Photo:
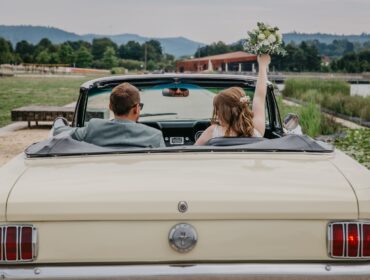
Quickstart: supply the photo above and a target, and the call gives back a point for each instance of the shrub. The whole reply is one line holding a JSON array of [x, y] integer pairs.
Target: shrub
[[310, 119], [313, 123], [332, 95], [131, 64], [296, 87], [118, 70], [356, 143]]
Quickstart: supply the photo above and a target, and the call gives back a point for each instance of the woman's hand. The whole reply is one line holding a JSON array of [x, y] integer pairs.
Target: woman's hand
[[264, 59]]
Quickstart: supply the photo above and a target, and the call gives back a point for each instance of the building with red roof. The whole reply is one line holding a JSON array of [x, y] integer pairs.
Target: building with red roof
[[235, 61]]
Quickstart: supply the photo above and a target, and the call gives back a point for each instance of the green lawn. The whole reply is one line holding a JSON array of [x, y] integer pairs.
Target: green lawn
[[20, 91]]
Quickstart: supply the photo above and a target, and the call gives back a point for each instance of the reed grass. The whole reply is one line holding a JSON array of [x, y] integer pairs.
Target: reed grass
[[331, 95], [312, 121]]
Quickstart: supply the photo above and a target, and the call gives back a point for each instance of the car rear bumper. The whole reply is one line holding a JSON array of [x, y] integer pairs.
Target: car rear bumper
[[199, 272]]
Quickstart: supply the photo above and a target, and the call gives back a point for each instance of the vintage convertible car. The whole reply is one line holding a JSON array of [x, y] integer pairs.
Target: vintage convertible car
[[237, 208]]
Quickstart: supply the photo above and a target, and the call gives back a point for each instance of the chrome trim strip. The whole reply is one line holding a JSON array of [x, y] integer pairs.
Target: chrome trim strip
[[1, 244], [344, 228], [35, 247], [20, 244], [200, 271], [360, 237], [362, 241], [345, 240]]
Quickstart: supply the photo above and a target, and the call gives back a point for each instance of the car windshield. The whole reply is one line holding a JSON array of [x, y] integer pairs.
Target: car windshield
[[167, 102]]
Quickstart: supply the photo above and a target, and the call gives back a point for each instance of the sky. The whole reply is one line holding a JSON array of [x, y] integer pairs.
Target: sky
[[204, 21]]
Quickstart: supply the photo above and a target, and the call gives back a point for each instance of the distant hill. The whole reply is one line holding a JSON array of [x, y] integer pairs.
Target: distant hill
[[177, 46], [34, 34], [324, 38]]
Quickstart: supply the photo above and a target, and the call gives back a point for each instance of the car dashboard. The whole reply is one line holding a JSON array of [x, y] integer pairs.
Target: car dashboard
[[177, 133], [187, 132]]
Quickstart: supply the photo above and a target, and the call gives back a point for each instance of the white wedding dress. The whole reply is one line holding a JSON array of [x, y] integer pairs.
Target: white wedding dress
[[218, 132]]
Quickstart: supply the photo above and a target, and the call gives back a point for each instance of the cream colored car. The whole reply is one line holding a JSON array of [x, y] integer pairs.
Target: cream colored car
[[236, 208]]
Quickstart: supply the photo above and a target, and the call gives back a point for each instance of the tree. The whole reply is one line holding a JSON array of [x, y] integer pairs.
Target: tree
[[312, 60], [44, 44], [43, 51], [6, 51], [153, 49], [83, 58], [109, 58], [25, 51], [213, 49], [76, 45], [122, 52], [100, 45], [54, 58], [353, 62], [133, 50], [66, 54], [151, 65], [43, 57]]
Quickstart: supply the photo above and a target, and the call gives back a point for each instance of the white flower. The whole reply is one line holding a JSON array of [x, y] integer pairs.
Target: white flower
[[279, 37], [245, 99], [265, 43], [264, 39], [261, 36], [271, 39]]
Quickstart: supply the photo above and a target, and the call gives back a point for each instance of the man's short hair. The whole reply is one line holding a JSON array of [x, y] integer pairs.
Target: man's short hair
[[123, 98]]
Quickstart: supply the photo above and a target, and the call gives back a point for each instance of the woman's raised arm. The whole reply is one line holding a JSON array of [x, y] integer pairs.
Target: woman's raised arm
[[260, 94]]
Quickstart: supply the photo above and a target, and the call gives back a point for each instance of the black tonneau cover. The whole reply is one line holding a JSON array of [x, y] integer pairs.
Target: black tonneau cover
[[64, 145]]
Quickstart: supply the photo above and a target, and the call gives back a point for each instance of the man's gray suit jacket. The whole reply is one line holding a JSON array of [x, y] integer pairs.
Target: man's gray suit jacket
[[115, 132]]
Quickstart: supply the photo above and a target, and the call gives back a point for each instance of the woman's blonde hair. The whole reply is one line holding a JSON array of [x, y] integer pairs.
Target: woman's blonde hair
[[231, 108]]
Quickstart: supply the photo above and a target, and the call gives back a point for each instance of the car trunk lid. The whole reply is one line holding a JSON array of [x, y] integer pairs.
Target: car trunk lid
[[150, 187]]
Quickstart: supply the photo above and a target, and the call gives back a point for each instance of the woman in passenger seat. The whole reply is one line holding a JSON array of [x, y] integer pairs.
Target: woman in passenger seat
[[232, 116]]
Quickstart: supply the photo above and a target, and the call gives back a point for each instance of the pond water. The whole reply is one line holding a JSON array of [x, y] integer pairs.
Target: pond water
[[363, 90], [356, 89]]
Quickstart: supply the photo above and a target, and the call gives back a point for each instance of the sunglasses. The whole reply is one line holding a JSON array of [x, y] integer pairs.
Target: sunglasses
[[181, 89], [140, 104]]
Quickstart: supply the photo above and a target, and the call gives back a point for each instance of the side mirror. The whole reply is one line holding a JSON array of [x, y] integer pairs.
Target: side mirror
[[291, 124], [58, 122]]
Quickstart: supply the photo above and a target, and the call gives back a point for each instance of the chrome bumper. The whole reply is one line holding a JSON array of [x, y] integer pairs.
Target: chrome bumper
[[199, 271]]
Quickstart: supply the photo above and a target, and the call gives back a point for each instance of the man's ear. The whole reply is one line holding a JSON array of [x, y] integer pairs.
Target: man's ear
[[135, 110], [110, 106]]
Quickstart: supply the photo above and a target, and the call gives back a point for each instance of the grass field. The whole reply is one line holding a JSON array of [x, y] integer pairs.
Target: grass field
[[22, 91], [331, 94]]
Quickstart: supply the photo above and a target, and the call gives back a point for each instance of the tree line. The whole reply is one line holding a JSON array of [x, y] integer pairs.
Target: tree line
[[102, 53], [310, 56]]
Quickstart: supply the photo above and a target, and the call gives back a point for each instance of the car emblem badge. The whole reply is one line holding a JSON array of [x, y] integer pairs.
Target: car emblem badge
[[183, 238], [182, 206]]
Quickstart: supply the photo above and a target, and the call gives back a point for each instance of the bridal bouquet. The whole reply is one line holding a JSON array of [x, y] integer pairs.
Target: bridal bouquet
[[264, 40]]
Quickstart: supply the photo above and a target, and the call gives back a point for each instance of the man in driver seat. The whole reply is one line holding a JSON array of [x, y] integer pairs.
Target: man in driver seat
[[123, 130]]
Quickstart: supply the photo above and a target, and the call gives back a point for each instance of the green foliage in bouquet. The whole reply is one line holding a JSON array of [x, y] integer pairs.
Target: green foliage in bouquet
[[265, 40]]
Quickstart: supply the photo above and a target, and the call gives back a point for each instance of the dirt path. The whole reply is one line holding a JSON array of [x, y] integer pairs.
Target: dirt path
[[14, 142]]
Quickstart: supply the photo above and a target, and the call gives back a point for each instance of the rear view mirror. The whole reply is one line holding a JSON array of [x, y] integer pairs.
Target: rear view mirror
[[175, 92]]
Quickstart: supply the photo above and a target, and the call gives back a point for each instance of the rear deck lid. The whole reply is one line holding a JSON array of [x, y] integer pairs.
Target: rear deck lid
[[150, 187]]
